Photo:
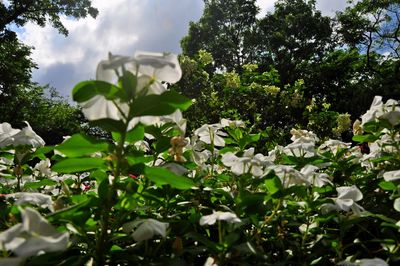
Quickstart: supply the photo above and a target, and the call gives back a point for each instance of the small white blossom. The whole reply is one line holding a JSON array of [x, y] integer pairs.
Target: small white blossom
[[247, 163], [34, 198], [231, 123], [333, 146], [392, 175], [146, 229], [6, 134], [211, 134], [16, 137], [389, 111], [219, 216], [289, 176], [44, 167], [32, 236], [313, 177], [346, 200]]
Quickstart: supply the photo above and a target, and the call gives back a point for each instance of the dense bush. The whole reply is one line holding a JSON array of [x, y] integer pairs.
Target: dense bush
[[154, 196]]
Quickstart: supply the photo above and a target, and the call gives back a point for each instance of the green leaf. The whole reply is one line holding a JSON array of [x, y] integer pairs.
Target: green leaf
[[40, 152], [86, 90], [39, 184], [373, 126], [108, 124], [133, 135], [387, 185], [364, 138], [78, 214], [103, 189], [162, 176], [128, 83], [138, 157], [79, 145], [163, 104], [273, 185], [74, 165]]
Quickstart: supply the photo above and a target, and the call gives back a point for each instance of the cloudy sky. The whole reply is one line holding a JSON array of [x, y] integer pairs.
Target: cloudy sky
[[122, 27]]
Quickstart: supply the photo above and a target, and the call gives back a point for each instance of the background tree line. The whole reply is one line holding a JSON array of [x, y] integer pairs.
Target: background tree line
[[292, 67], [21, 99]]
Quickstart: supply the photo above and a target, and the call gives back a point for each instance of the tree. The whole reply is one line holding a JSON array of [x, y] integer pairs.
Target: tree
[[374, 26], [225, 30], [293, 35], [43, 11], [21, 98], [49, 114]]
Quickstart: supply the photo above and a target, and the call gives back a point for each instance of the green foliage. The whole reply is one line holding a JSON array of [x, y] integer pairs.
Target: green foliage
[[40, 12], [233, 22]]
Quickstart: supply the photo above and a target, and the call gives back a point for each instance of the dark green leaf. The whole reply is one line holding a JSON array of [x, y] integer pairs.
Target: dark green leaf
[[128, 83], [39, 184], [86, 90], [75, 165], [162, 176], [364, 138], [110, 125], [79, 145], [163, 104]]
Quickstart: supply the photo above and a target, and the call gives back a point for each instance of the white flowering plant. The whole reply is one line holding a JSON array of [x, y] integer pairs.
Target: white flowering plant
[[154, 194]]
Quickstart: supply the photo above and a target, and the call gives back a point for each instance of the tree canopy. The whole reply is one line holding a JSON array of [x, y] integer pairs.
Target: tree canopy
[[21, 98], [324, 66]]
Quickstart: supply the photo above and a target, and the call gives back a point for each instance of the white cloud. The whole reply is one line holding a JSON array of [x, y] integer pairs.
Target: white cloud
[[265, 6], [121, 27]]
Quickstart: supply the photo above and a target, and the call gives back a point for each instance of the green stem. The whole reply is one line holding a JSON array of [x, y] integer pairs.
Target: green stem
[[220, 232], [104, 235]]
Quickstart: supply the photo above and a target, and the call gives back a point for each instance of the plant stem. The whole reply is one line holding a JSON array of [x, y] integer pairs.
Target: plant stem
[[103, 239]]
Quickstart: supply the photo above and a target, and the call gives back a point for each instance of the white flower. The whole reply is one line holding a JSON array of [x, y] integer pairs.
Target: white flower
[[211, 134], [391, 175], [333, 146], [303, 144], [231, 123], [28, 137], [301, 147], [142, 145], [161, 66], [365, 262], [33, 235], [6, 134], [273, 154], [289, 176], [98, 107], [177, 118], [146, 229], [44, 167], [219, 216], [17, 137], [374, 111], [210, 262], [301, 133], [313, 177], [346, 200], [247, 163], [389, 111], [149, 68], [115, 64], [34, 198]]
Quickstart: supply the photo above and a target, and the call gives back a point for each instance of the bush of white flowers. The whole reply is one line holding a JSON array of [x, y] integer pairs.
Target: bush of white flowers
[[154, 194]]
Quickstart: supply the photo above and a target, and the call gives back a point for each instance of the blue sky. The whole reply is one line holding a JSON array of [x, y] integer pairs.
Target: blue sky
[[122, 27]]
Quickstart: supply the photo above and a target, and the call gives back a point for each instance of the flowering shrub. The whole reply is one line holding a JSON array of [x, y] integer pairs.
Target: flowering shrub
[[152, 195]]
